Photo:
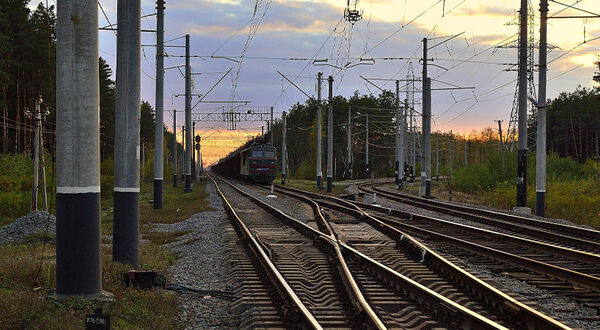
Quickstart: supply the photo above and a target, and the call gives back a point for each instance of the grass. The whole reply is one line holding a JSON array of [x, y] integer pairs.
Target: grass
[[26, 285]]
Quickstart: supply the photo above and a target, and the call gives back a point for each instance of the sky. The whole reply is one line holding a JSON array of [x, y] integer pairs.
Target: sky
[[388, 38]]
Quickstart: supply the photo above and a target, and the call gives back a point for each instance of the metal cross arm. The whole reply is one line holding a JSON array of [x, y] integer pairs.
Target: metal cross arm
[[213, 87], [229, 116], [291, 82], [591, 14], [446, 40]]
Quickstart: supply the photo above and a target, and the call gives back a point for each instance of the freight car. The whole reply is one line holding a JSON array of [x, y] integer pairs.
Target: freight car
[[255, 162]]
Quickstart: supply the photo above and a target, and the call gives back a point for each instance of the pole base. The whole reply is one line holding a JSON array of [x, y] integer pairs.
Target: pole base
[[319, 182], [283, 178], [428, 188], [188, 183], [174, 180], [78, 259], [329, 183], [522, 210], [540, 203], [126, 228], [158, 194], [103, 296]]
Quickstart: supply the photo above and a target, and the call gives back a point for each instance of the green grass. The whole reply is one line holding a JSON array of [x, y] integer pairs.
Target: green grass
[[26, 287]]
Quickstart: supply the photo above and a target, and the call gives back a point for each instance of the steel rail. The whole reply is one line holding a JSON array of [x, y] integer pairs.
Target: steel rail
[[509, 219], [523, 241], [468, 318], [275, 277], [531, 317], [357, 298]]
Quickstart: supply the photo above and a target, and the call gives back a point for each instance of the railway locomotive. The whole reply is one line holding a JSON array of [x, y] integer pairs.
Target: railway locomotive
[[256, 161]]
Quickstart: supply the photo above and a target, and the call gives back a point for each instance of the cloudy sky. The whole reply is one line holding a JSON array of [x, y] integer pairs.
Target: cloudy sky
[[288, 34]]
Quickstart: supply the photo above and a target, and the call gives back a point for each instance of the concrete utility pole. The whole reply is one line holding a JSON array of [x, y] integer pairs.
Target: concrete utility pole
[[427, 139], [272, 129], [159, 105], [193, 147], [500, 143], [437, 158], [406, 156], [425, 189], [319, 129], [451, 165], [198, 158], [283, 147], [349, 150], [183, 139], [522, 132], [78, 261], [413, 144], [466, 152], [330, 136], [174, 148], [126, 230], [540, 175], [188, 118], [367, 170], [37, 117], [399, 140]]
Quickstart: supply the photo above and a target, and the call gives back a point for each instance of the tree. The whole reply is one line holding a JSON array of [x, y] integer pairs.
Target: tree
[[146, 123], [107, 110], [597, 73]]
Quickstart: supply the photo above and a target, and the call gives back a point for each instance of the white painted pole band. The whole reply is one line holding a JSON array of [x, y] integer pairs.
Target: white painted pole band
[[78, 190], [127, 189]]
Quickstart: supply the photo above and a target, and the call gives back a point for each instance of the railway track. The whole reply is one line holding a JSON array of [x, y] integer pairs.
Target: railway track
[[314, 262], [563, 235], [542, 269]]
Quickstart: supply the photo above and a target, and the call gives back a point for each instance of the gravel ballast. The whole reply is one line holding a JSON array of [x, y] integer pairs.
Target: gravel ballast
[[202, 264], [29, 224]]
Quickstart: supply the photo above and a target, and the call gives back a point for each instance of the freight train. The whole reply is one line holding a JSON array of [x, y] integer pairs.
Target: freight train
[[256, 161]]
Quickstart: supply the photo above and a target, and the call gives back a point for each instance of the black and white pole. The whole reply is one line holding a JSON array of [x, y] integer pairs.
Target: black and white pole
[[127, 135], [175, 148], [283, 147], [159, 106], [522, 120], [319, 130], [399, 139], [78, 262], [330, 136], [451, 165], [349, 147], [187, 164], [540, 175]]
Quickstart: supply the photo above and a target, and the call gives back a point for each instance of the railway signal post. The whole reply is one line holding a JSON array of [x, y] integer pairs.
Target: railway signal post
[[78, 261], [127, 135], [330, 136]]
